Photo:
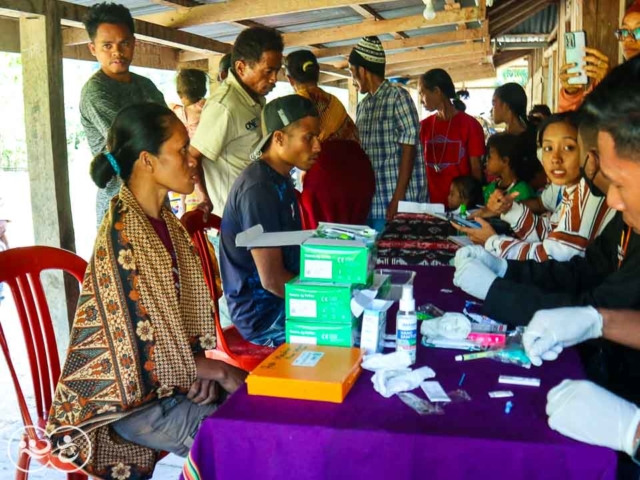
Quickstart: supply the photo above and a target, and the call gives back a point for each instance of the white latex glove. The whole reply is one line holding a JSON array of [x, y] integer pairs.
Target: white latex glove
[[588, 413], [475, 278], [390, 382], [496, 264], [386, 361], [450, 325], [559, 327]]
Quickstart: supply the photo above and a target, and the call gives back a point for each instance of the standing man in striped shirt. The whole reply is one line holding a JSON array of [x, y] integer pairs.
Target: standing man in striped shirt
[[389, 129]]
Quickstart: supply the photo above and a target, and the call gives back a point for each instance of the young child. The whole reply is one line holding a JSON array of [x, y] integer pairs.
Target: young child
[[465, 190], [512, 169], [191, 85], [580, 218]]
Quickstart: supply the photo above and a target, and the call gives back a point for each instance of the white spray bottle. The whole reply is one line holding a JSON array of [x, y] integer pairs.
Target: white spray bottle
[[407, 324]]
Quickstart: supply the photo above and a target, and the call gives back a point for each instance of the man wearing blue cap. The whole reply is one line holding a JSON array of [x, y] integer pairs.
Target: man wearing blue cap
[[264, 194]]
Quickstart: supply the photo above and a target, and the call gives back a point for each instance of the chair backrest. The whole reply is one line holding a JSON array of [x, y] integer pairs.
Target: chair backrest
[[20, 268], [197, 228]]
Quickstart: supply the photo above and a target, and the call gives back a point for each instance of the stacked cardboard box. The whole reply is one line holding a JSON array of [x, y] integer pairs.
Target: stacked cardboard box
[[318, 302]]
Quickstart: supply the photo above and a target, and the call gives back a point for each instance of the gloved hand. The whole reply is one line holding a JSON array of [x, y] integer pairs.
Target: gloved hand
[[559, 327], [475, 278], [588, 413], [496, 264]]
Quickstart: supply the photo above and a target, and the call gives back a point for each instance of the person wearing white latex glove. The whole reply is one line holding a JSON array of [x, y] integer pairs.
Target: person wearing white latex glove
[[552, 330], [496, 265], [474, 277], [588, 413]]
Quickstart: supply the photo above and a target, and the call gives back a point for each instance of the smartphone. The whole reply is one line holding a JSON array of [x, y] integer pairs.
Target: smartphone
[[574, 49], [464, 222]]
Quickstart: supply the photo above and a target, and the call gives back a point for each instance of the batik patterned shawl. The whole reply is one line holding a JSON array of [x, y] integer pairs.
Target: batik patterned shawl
[[133, 339]]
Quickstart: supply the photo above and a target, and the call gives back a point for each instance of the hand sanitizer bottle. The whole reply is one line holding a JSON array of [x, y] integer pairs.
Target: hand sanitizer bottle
[[407, 324]]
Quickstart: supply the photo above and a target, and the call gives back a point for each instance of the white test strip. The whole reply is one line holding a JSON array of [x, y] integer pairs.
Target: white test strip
[[526, 381], [501, 394], [434, 392]]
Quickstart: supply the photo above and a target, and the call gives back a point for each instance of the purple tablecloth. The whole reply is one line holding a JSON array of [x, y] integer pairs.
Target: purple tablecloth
[[370, 437]]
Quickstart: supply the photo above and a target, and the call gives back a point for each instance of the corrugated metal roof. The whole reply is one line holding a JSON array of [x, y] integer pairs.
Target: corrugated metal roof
[[405, 4], [308, 18], [304, 21], [137, 7], [224, 32], [140, 7], [542, 22]]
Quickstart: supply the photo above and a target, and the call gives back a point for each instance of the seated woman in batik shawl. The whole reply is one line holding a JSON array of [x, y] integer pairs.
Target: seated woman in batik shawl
[[136, 381]]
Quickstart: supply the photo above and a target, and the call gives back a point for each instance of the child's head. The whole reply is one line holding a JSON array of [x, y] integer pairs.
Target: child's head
[[191, 85], [558, 137], [508, 153], [465, 190]]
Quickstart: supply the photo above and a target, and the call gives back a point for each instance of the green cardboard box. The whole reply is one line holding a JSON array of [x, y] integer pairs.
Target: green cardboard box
[[336, 261], [332, 335], [318, 302]]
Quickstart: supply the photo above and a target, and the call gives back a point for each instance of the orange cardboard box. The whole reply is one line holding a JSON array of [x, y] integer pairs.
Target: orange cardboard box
[[307, 372]]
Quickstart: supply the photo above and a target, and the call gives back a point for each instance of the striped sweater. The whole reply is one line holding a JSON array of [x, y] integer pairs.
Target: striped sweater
[[580, 218]]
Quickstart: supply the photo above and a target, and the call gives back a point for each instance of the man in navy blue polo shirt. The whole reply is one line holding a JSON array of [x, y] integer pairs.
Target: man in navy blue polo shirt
[[264, 194]]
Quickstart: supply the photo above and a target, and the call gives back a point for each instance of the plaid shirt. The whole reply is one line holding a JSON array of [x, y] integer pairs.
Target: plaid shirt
[[387, 119]]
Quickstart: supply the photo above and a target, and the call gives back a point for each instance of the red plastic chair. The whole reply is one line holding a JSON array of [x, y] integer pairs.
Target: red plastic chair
[[230, 348], [20, 268]]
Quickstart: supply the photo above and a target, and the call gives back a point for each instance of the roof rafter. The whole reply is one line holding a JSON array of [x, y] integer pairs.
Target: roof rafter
[[422, 40], [371, 27], [434, 53], [233, 10]]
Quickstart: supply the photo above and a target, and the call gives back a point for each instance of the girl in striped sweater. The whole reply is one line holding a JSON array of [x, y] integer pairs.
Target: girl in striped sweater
[[579, 218]]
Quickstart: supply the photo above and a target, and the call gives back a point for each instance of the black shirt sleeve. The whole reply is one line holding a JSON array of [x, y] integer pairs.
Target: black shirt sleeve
[[593, 280]]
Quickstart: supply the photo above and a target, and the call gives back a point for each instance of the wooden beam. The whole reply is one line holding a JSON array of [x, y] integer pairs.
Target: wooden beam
[[364, 11], [176, 3], [510, 20], [502, 7], [337, 72], [434, 53], [509, 56], [193, 56], [469, 62], [353, 100], [41, 41], [461, 75], [233, 10], [75, 36], [370, 27], [147, 55], [369, 13], [421, 41], [72, 14], [9, 35]]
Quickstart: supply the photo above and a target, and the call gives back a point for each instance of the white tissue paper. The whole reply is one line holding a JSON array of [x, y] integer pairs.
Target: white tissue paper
[[451, 325], [390, 382], [388, 361]]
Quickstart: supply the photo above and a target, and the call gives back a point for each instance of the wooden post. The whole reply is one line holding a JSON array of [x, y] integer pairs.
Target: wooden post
[[353, 99], [41, 48], [599, 19]]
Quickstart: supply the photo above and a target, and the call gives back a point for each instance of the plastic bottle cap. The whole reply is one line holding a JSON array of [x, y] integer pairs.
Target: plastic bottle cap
[[407, 302]]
